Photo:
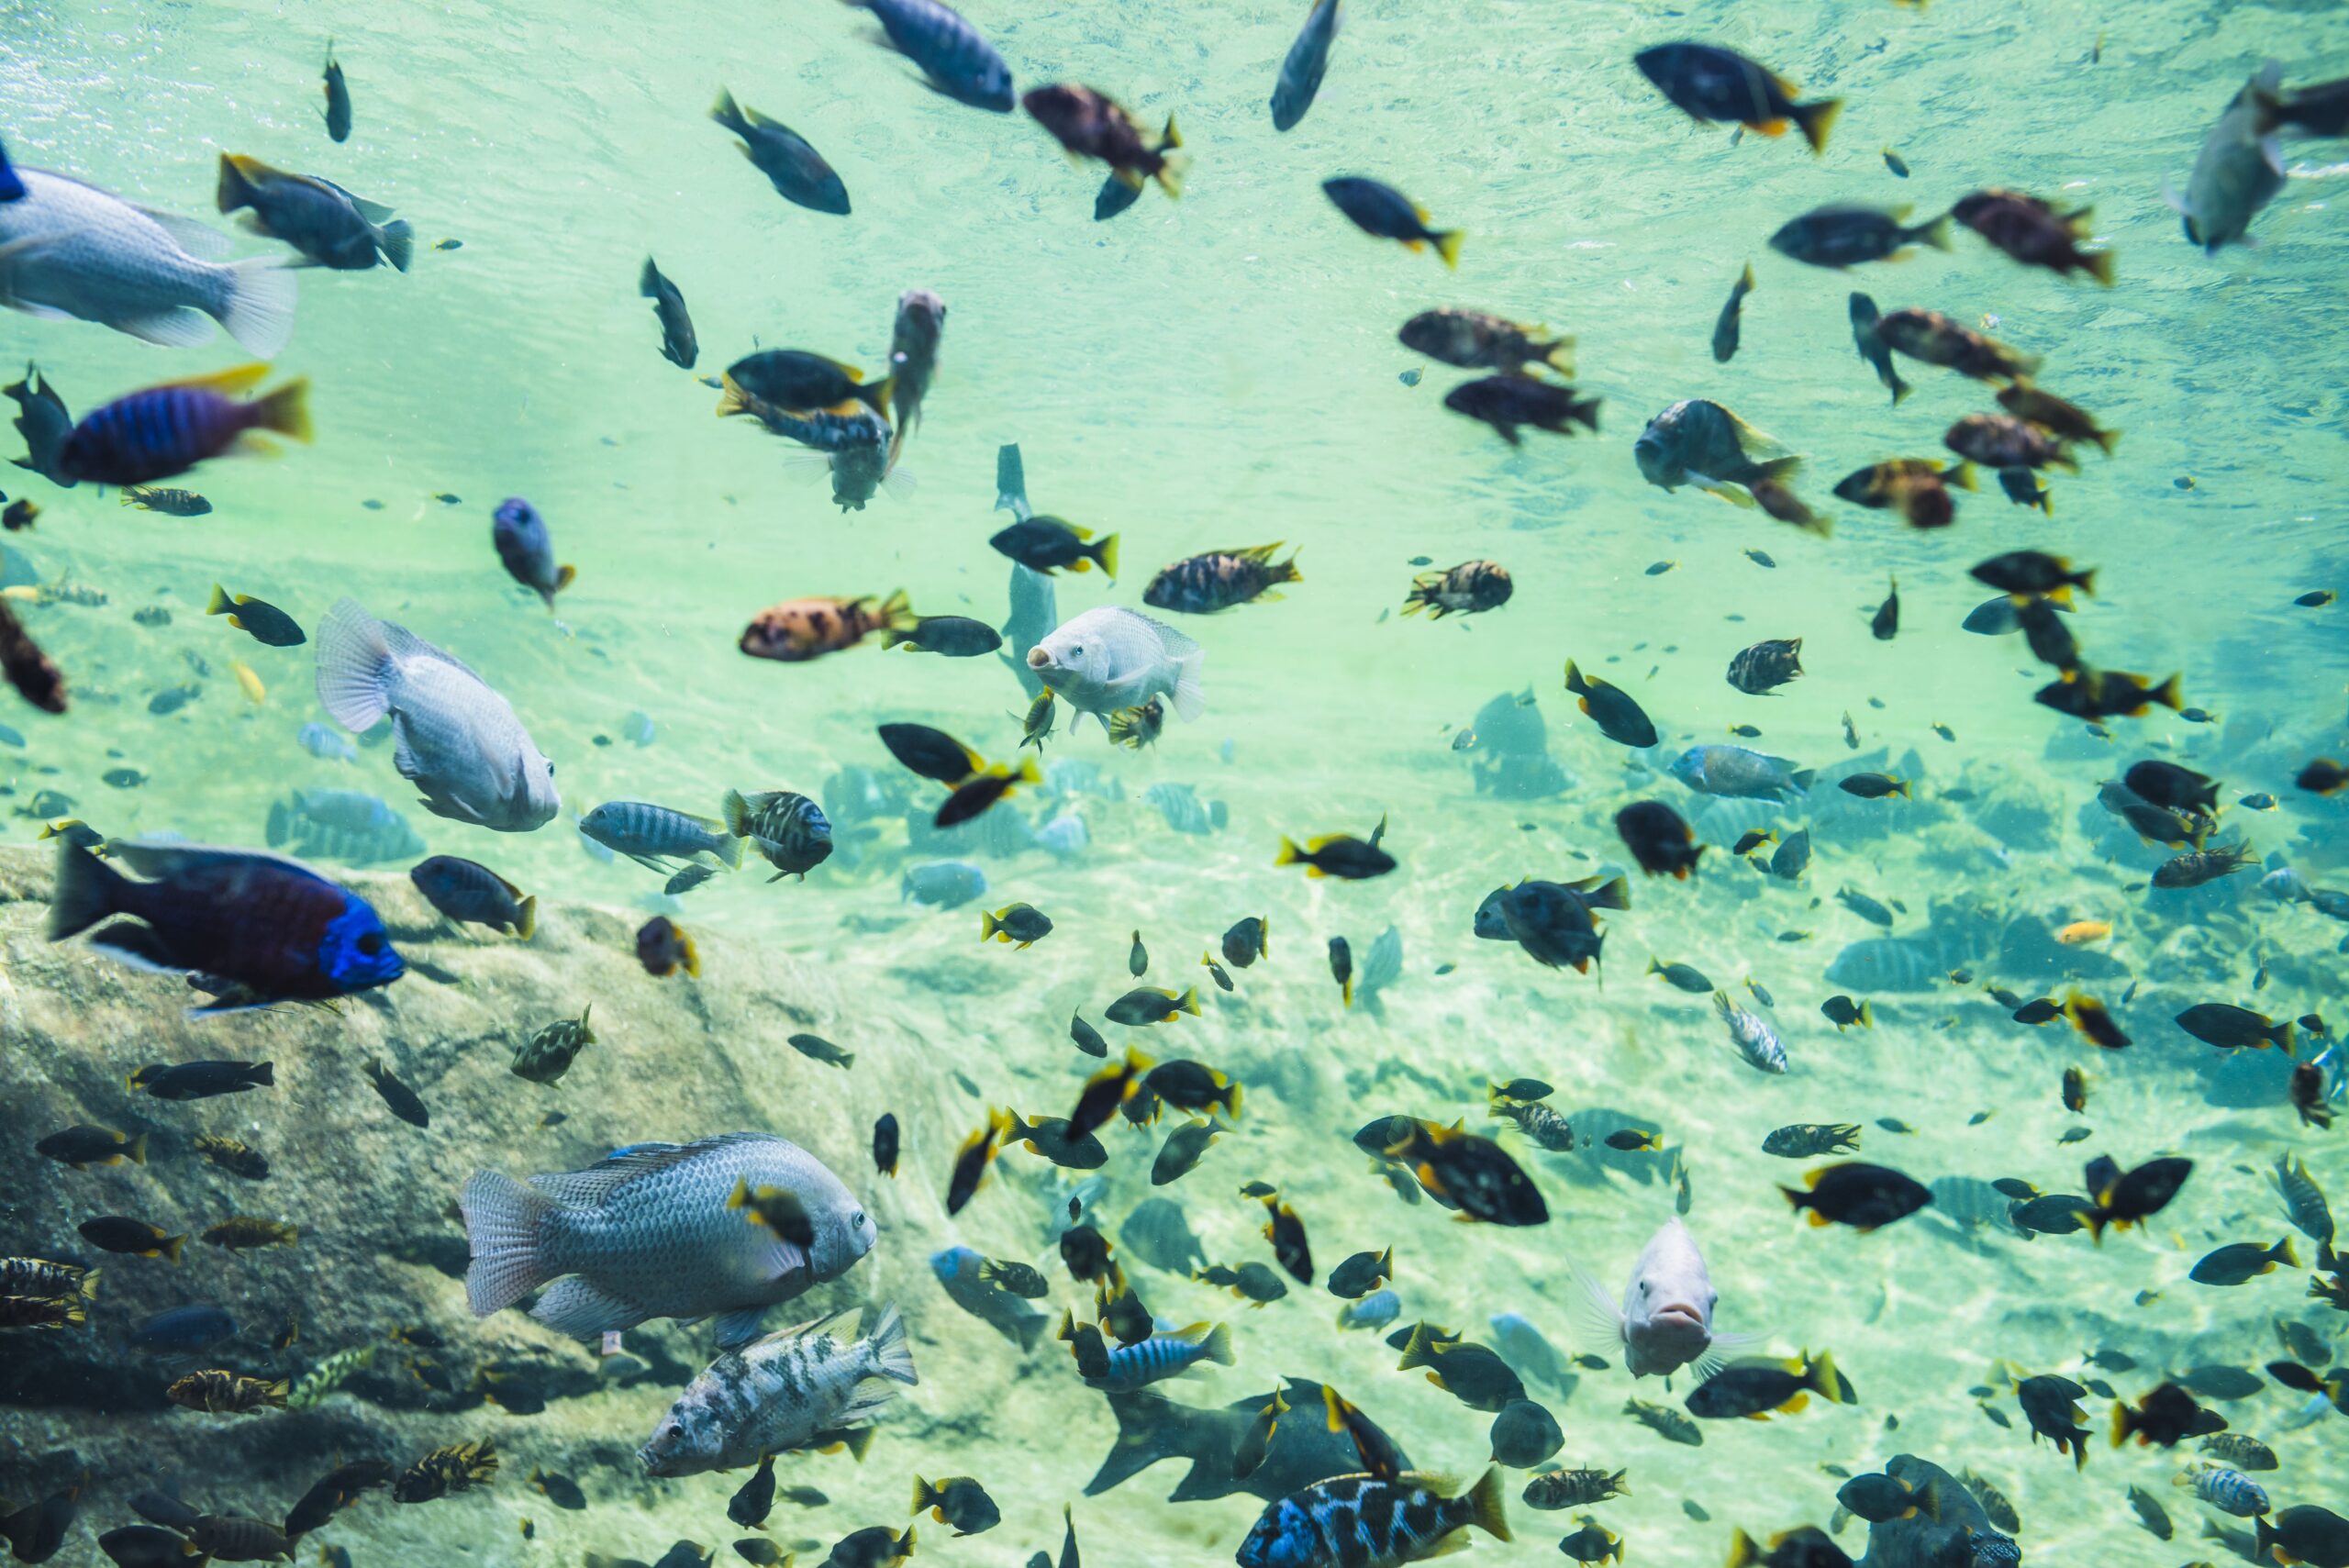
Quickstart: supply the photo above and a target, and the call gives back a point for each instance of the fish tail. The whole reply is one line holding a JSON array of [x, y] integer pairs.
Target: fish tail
[[526, 921], [1743, 1552], [2167, 695], [893, 1358], [924, 1494], [1188, 1002], [726, 112], [136, 1153], [88, 890], [1105, 553], [259, 310], [1935, 234], [876, 397], [354, 666], [1217, 1346], [2100, 267], [502, 1222], [728, 851], [1822, 1376], [287, 410], [1778, 471], [397, 241], [648, 280], [1817, 120], [1484, 1507], [219, 604], [235, 191], [172, 1246], [898, 614], [1447, 245]]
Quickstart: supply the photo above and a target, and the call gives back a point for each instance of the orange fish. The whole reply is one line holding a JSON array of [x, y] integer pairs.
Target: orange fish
[[2080, 931], [801, 629]]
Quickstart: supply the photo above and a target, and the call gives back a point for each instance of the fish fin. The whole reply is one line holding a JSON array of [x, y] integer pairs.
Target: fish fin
[[354, 666], [734, 1329], [259, 311], [1447, 245], [502, 1222], [1597, 1314], [1817, 120], [527, 921], [1935, 234], [287, 410], [373, 212], [573, 1305], [184, 328], [1190, 692], [397, 241], [1484, 1507]]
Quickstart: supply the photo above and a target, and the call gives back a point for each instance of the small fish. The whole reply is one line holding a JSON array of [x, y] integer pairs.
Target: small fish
[[1718, 84], [402, 1102], [1088, 124], [1511, 402], [1725, 327], [1862, 1196], [327, 224], [796, 170], [243, 1232], [957, 60], [816, 1048], [1300, 76], [1473, 341], [678, 344], [81, 1147], [958, 1501], [1339, 855], [1385, 213], [1894, 162], [337, 93]]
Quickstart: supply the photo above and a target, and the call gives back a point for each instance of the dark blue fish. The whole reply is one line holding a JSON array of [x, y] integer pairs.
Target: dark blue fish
[[338, 99], [1385, 213], [679, 346], [1301, 72], [528, 548], [11, 188], [958, 62], [796, 170], [43, 420], [264, 929], [164, 430], [181, 1332]]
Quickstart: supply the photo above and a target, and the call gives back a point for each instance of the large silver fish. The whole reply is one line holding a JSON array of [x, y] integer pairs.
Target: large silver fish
[[68, 250], [647, 1234], [791, 1386], [458, 740], [1666, 1321], [1110, 659], [2240, 168]]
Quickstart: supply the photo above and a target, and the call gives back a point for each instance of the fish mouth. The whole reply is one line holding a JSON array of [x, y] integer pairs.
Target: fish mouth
[[1039, 660], [1678, 1315]]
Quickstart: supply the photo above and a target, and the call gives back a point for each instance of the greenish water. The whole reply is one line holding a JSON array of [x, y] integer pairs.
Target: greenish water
[[1222, 371]]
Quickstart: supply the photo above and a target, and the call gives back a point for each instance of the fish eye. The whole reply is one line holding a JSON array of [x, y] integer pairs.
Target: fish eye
[[371, 943], [856, 1222], [675, 1431]]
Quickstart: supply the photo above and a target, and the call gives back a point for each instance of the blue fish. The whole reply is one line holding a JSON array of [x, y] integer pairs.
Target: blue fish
[[325, 744], [957, 1269], [960, 63], [11, 188], [942, 885], [181, 1332], [259, 928], [1376, 1310], [528, 548], [11, 737]]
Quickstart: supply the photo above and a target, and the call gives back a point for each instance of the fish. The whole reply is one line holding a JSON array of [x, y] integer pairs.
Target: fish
[[265, 928], [1859, 1195], [1664, 1320], [962, 1273], [919, 326], [678, 344], [2123, 1198], [76, 250], [1511, 402], [1088, 124], [166, 429], [1220, 579], [942, 885], [2231, 1028], [327, 224], [1659, 838], [1701, 443], [2002, 441], [1618, 717], [1934, 338], [644, 1234], [1472, 340], [1764, 666], [519, 531], [1725, 327], [1756, 1387], [1757, 1044], [458, 1467], [132, 1238], [1843, 235], [338, 94], [468, 892], [458, 740], [241, 1233], [44, 421], [1110, 659], [1475, 1174], [1304, 64], [2238, 1262], [1163, 1355], [1712, 83], [959, 1501], [955, 58], [237, 1158], [81, 1147], [1021, 923], [654, 836], [781, 1392], [257, 618], [201, 1079], [794, 167], [1366, 1522], [1385, 213], [2238, 172], [1872, 348]]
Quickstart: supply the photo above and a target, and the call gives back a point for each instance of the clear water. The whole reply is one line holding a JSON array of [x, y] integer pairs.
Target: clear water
[[1222, 371]]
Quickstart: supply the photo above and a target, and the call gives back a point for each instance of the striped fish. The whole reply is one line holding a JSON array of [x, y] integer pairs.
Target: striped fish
[[1165, 1355], [652, 835], [1360, 1521]]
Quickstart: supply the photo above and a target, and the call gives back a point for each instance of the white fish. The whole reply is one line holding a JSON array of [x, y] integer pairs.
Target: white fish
[[2240, 168], [1754, 1039], [1110, 659], [457, 739], [1666, 1321], [72, 250], [646, 1233], [793, 1386]]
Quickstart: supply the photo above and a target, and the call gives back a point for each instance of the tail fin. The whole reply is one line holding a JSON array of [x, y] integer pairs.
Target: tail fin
[[1779, 470], [898, 614], [1560, 356], [2167, 695], [219, 604], [1817, 120], [876, 396], [728, 114], [1172, 166], [354, 666], [1188, 1002], [173, 1245], [1822, 1377], [1584, 412], [1743, 1552], [648, 281], [259, 310], [1485, 1507], [989, 926], [893, 1358], [397, 241], [136, 1153], [2281, 1252], [1217, 1346], [1802, 779], [1447, 245], [1105, 553], [287, 410], [526, 923], [2100, 267], [730, 853], [235, 191], [1962, 476], [88, 890], [1614, 895], [1935, 234], [924, 1494], [502, 1222], [735, 812]]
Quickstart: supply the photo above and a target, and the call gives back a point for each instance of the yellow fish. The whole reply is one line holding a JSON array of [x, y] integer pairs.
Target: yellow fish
[[254, 690]]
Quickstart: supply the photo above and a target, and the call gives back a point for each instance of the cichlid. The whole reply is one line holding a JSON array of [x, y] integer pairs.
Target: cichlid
[[792, 166], [456, 739], [646, 1234], [781, 1392], [1665, 1318], [1303, 67], [653, 835], [679, 346], [519, 532], [468, 891], [1110, 659], [326, 223], [958, 62]]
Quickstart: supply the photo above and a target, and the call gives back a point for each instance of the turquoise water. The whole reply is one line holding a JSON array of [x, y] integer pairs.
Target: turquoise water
[[1222, 371]]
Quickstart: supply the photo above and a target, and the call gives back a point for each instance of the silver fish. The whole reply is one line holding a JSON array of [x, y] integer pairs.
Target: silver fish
[[70, 249], [913, 358], [458, 740], [1112, 658], [1755, 1042], [2239, 169], [646, 1233], [779, 1393], [652, 835]]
